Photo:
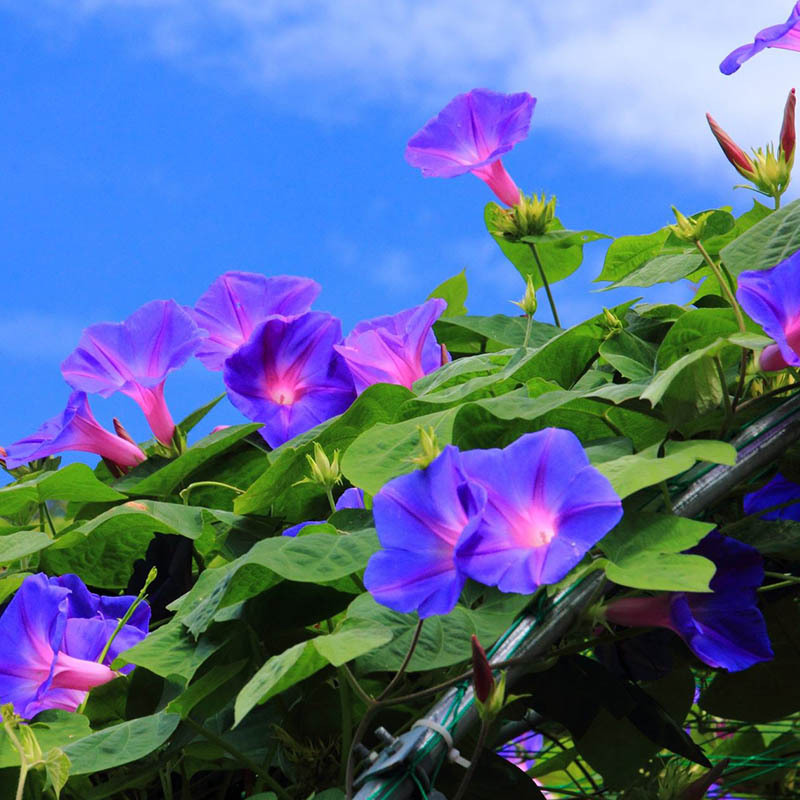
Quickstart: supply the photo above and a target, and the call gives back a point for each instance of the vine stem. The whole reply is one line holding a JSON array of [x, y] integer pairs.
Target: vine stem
[[545, 283], [400, 672], [473, 764], [259, 770], [184, 493], [347, 721], [726, 398], [528, 327], [780, 390]]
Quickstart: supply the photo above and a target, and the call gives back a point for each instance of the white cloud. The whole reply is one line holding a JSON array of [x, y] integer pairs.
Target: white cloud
[[630, 80]]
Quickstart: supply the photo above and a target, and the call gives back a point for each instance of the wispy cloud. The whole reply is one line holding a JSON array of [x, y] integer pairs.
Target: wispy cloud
[[27, 335], [630, 80]]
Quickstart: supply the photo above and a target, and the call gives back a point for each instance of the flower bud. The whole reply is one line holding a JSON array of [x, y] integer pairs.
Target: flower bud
[[689, 230], [788, 136], [482, 677], [732, 151], [611, 322], [531, 216], [324, 472], [121, 432], [772, 172], [698, 788], [528, 303], [429, 445]]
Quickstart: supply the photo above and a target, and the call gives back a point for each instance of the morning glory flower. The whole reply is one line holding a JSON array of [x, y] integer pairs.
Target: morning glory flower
[[51, 636], [778, 490], [522, 750], [238, 301], [772, 298], [288, 375], [400, 348], [134, 357], [74, 429], [420, 518], [785, 36], [470, 134], [546, 506], [350, 498], [724, 627]]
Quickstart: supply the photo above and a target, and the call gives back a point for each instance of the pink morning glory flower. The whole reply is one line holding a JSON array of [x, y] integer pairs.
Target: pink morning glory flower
[[772, 298], [420, 518], [785, 36], [289, 376], [74, 429], [395, 349], [724, 627], [51, 635], [238, 301], [470, 134], [134, 357], [546, 506]]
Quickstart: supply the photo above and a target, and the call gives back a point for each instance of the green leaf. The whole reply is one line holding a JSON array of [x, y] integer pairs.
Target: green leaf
[[167, 479], [627, 253], [75, 482], [210, 682], [56, 767], [631, 356], [473, 334], [561, 237], [664, 379], [52, 728], [315, 558], [629, 474], [444, 640], [120, 744], [454, 291], [714, 243], [559, 261], [189, 422], [766, 243], [661, 269], [644, 552], [695, 330], [385, 451], [14, 546], [304, 659], [275, 491]]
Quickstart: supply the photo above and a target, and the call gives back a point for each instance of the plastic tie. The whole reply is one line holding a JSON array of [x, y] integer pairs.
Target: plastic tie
[[453, 754]]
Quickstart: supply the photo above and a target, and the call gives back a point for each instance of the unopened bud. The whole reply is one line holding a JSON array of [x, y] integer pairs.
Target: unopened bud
[[772, 172], [429, 446], [482, 676], [698, 788], [531, 216], [3, 456], [732, 151], [788, 135], [528, 303], [445, 356], [121, 432], [324, 472], [689, 230], [613, 323]]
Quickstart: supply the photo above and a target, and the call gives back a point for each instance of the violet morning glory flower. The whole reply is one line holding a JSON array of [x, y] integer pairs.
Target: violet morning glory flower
[[237, 301], [400, 348], [134, 357], [420, 518], [350, 498], [74, 429], [772, 298], [470, 134], [523, 750], [779, 490], [289, 376], [51, 635], [546, 506], [724, 627], [785, 36]]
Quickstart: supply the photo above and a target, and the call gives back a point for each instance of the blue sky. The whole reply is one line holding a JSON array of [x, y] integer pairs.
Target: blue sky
[[149, 145]]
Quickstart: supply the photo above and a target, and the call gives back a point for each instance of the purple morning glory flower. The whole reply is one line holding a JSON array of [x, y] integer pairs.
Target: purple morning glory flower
[[723, 628], [395, 349], [470, 134], [134, 357], [74, 429], [772, 298], [51, 635], [785, 36], [420, 518], [778, 490], [350, 498], [238, 301], [546, 506], [289, 376], [523, 750]]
